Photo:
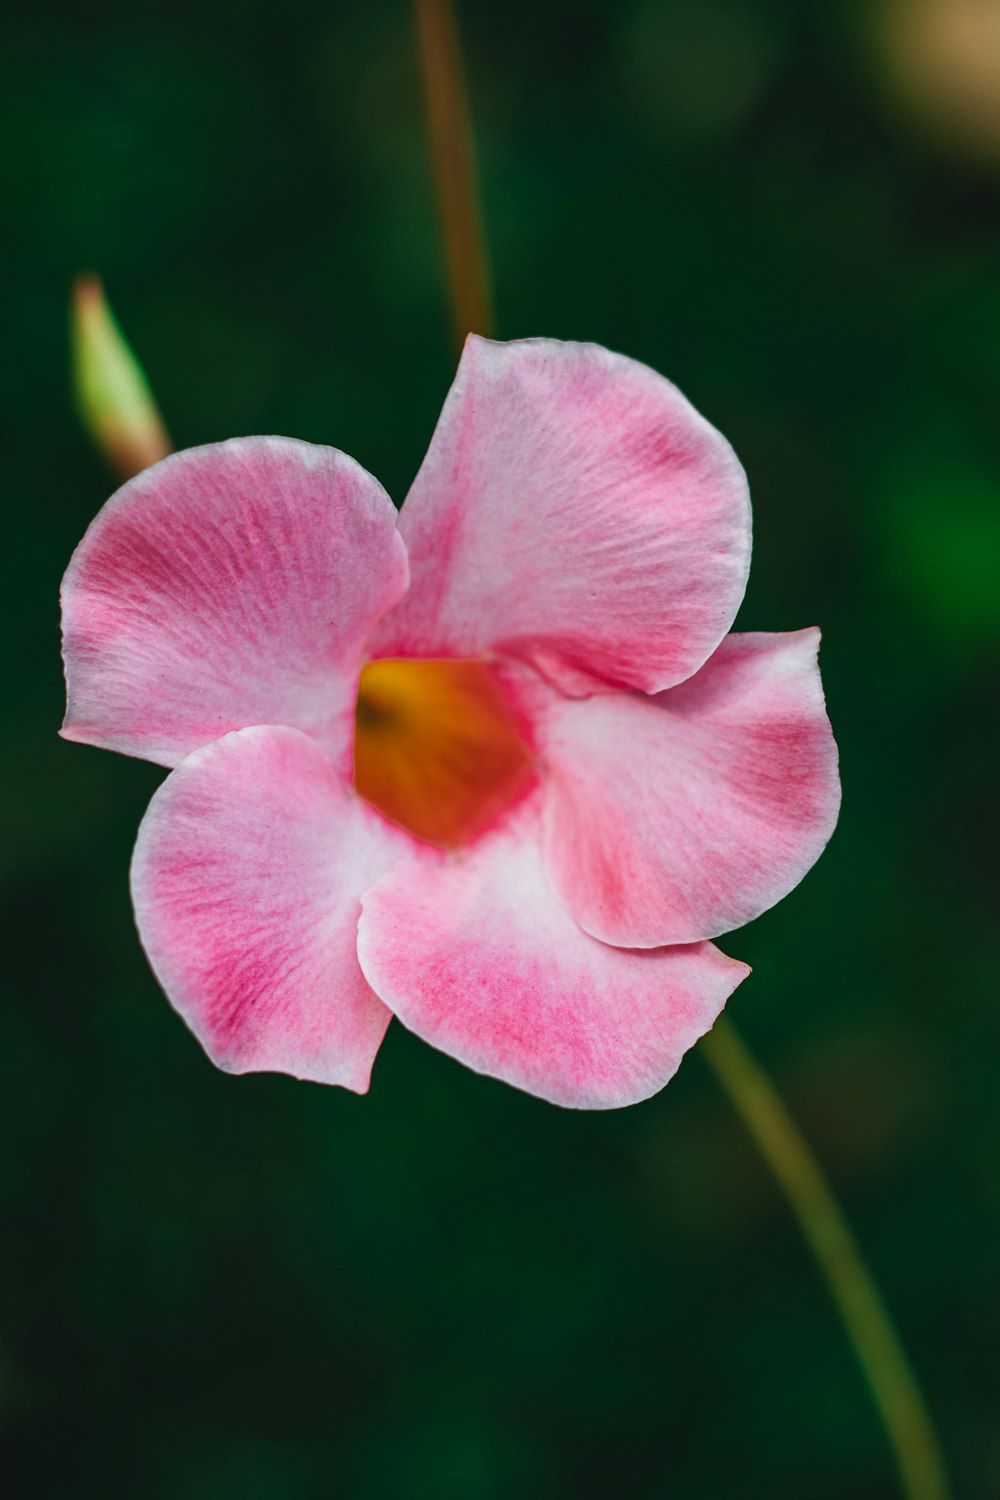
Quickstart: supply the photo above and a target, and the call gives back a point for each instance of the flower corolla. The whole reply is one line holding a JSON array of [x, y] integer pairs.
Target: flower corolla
[[492, 764]]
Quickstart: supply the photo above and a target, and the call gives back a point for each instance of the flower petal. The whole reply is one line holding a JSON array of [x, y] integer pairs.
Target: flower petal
[[573, 508], [478, 957], [226, 586], [246, 880], [682, 816]]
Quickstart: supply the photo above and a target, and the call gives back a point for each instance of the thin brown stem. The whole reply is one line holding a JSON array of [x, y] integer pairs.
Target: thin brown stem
[[454, 169], [852, 1286]]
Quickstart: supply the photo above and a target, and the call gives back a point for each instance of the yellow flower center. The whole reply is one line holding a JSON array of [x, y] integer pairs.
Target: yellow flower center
[[437, 747]]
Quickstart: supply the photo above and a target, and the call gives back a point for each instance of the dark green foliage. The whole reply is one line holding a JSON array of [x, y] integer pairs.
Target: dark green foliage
[[269, 1291]]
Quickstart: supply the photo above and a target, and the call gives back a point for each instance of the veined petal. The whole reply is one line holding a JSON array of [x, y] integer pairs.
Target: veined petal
[[573, 509], [246, 881], [476, 956], [226, 586], [684, 815]]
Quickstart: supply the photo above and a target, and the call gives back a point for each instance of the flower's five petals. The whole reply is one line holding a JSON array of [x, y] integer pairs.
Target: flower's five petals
[[227, 586], [246, 880], [476, 956], [573, 509], [685, 815]]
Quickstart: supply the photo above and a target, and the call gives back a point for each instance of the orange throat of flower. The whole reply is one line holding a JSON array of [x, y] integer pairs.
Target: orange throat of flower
[[437, 748]]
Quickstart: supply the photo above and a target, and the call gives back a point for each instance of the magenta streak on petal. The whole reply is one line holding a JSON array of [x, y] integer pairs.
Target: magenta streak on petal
[[247, 878], [684, 815], [478, 957], [575, 510], [227, 586]]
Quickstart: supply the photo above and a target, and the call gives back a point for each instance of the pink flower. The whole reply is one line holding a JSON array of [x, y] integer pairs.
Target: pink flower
[[497, 769]]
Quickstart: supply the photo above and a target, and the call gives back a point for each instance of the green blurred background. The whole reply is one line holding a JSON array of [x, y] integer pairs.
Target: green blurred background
[[255, 1288]]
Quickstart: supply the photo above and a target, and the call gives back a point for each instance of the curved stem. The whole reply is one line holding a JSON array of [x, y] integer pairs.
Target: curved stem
[[780, 1142], [832, 1242], [454, 168]]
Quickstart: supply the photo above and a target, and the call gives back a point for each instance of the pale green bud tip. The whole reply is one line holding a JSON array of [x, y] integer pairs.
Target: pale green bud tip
[[112, 393]]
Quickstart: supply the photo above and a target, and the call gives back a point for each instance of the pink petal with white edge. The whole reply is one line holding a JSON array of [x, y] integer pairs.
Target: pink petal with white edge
[[682, 816], [477, 957], [246, 880], [574, 509], [226, 586]]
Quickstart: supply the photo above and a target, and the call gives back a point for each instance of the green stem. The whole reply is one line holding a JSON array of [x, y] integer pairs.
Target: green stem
[[851, 1284], [779, 1140]]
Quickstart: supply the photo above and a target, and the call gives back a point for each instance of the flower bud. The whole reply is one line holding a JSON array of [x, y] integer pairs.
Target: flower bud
[[112, 393]]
